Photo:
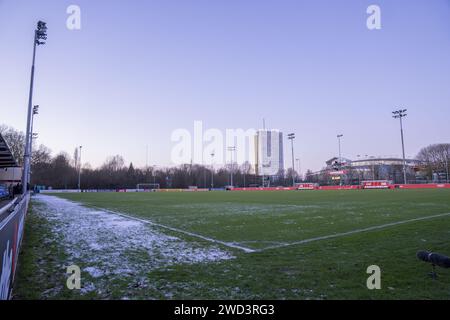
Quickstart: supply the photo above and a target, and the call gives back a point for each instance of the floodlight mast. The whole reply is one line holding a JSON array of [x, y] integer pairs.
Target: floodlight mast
[[39, 34], [400, 114]]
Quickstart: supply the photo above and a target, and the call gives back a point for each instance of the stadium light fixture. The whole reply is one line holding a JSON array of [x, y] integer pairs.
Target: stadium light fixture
[[40, 34], [291, 136], [400, 114]]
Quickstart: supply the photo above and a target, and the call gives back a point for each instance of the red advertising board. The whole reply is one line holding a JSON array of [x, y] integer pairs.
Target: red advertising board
[[338, 188], [376, 184], [264, 189], [11, 232], [306, 186], [423, 186]]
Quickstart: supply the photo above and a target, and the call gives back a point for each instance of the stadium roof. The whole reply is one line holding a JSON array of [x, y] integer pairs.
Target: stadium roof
[[6, 157], [389, 160]]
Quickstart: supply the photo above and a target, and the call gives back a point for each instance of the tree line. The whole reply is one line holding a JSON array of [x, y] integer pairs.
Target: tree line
[[62, 170]]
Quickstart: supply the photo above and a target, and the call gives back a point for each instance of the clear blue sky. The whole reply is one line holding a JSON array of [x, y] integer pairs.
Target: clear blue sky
[[137, 70]]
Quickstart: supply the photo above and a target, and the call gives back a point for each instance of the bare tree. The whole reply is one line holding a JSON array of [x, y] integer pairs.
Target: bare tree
[[42, 155], [114, 163], [435, 157]]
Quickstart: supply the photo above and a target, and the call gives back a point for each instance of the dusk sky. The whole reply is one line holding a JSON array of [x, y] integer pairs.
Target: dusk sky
[[138, 70]]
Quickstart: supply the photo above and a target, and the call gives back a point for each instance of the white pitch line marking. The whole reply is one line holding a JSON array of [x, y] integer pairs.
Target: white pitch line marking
[[342, 234], [282, 245], [195, 235]]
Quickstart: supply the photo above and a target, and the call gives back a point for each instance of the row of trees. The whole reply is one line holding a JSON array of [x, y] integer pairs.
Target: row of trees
[[61, 170], [435, 159]]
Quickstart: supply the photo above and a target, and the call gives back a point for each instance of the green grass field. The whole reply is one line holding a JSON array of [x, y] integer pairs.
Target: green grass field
[[272, 226]]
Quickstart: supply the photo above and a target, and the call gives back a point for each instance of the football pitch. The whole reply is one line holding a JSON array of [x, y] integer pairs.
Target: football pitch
[[290, 244]]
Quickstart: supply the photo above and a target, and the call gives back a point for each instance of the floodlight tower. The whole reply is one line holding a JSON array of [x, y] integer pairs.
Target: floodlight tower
[[39, 34], [400, 114], [291, 136]]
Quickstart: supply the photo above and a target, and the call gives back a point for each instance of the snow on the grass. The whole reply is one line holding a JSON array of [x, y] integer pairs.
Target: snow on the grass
[[242, 209], [110, 245]]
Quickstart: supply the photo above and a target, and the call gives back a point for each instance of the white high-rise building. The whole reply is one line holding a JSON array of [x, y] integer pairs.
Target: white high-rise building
[[268, 152]]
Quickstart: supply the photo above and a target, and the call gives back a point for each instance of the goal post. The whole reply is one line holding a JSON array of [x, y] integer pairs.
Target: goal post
[[147, 186]]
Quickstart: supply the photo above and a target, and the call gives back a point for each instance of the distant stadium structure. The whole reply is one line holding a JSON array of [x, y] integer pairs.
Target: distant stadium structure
[[6, 158], [369, 168], [10, 172]]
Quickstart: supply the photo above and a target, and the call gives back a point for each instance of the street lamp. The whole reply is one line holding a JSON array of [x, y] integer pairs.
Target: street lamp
[[212, 170], [400, 114], [359, 170], [79, 170], [339, 136], [291, 136], [39, 34], [231, 149], [33, 136], [446, 165], [373, 166]]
